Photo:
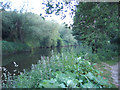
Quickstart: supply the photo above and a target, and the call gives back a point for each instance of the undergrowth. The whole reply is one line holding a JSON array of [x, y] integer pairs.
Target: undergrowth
[[59, 71]]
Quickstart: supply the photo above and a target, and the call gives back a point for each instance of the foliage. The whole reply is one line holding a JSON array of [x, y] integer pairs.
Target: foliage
[[10, 47], [4, 5], [59, 7], [59, 71], [66, 35], [33, 30], [97, 23]]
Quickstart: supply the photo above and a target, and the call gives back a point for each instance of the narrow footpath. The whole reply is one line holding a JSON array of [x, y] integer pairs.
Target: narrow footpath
[[115, 73]]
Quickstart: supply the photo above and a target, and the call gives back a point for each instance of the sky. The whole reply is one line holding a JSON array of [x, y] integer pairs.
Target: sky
[[35, 6]]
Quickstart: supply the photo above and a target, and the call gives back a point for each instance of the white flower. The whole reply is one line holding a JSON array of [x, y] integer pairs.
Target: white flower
[[4, 69], [15, 70], [69, 82], [38, 61], [79, 58], [15, 64]]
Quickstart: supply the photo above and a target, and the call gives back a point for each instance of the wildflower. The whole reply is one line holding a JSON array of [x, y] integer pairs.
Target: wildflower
[[69, 82], [79, 58], [4, 69], [38, 61], [15, 70], [4, 74], [15, 64], [21, 73], [47, 58], [104, 78]]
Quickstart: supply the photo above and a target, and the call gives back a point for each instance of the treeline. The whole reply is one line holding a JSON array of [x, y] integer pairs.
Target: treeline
[[33, 30]]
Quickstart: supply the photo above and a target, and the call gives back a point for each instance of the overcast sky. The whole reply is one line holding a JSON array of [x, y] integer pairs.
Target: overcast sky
[[35, 6]]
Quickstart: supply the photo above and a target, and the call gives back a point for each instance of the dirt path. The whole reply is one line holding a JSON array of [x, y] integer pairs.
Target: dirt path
[[115, 73]]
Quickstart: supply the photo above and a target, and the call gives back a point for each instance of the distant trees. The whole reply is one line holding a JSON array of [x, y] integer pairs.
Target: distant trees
[[33, 30], [66, 35]]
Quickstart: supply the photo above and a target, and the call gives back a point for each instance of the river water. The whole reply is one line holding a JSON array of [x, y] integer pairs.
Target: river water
[[26, 59]]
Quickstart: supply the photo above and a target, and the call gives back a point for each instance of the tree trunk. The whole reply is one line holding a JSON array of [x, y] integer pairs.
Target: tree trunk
[[19, 31]]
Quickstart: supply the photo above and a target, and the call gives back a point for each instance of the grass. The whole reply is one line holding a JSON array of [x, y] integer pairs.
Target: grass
[[106, 72], [59, 71], [113, 61]]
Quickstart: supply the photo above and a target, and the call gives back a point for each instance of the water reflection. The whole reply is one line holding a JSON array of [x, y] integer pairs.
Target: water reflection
[[25, 60]]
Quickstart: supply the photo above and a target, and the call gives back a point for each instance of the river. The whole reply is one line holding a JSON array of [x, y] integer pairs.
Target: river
[[26, 59]]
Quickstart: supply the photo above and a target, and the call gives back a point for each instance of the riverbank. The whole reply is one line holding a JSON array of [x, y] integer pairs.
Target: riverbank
[[13, 47], [59, 71], [58, 61], [9, 48]]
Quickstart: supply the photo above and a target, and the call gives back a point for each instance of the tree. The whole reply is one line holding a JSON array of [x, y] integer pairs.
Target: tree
[[66, 35], [12, 26], [97, 23], [4, 5]]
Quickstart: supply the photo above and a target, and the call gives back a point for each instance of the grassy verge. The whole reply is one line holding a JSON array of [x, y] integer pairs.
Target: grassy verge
[[59, 71], [106, 73], [11, 47]]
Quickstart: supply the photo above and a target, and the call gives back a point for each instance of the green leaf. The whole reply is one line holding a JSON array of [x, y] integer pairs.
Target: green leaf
[[90, 75], [89, 85], [62, 86]]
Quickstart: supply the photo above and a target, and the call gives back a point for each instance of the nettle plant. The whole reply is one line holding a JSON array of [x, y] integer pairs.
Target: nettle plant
[[60, 71]]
